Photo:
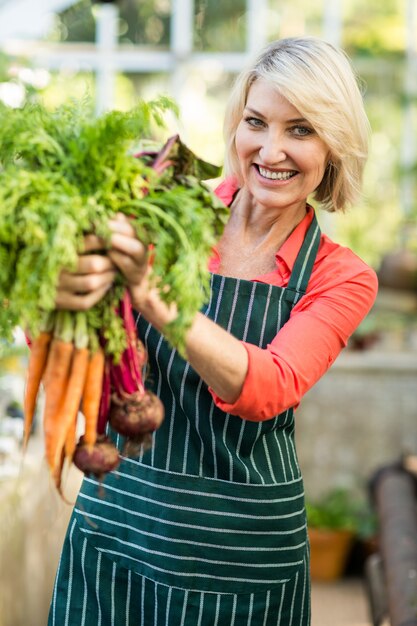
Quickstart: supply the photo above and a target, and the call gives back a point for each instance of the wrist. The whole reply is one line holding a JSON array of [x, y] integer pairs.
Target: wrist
[[154, 310]]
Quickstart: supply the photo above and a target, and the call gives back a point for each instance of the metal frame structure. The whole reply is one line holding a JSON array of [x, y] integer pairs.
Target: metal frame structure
[[106, 58]]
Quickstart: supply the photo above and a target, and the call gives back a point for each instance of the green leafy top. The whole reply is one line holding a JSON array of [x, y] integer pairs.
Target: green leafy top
[[340, 509], [63, 173]]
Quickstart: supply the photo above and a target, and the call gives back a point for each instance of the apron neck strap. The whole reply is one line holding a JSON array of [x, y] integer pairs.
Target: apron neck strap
[[303, 265]]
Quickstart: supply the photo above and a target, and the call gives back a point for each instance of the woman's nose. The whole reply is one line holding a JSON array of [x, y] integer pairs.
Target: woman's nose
[[273, 150]]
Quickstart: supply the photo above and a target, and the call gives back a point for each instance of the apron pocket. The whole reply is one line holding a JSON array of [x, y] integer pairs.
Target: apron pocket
[[196, 533]]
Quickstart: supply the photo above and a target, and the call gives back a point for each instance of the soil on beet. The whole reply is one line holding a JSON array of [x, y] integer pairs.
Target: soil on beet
[[98, 460], [135, 417]]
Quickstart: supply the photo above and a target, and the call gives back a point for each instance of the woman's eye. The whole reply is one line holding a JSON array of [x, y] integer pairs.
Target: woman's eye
[[255, 122], [301, 131]]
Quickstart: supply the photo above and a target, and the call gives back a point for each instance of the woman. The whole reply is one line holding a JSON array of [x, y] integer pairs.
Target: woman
[[208, 526]]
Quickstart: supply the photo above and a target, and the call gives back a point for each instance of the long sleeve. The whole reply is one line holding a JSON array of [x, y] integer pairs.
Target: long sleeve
[[342, 290]]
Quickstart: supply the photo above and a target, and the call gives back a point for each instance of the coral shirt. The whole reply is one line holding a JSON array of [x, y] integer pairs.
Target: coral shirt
[[341, 291]]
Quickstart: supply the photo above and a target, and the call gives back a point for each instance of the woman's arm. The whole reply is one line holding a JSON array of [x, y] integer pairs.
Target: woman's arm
[[305, 347], [246, 380]]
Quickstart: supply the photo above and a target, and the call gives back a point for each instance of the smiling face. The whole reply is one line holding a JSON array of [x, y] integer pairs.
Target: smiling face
[[282, 159]]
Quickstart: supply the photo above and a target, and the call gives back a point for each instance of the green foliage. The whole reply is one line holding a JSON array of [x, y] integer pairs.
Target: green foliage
[[4, 66], [374, 28], [340, 509], [63, 174]]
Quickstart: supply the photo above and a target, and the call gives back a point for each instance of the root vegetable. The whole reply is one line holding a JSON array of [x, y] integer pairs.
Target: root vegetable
[[98, 459], [36, 368], [134, 416], [134, 412], [92, 395], [56, 379], [71, 439], [70, 407]]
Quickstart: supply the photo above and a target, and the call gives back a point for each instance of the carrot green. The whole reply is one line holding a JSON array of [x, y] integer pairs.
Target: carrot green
[[63, 173]]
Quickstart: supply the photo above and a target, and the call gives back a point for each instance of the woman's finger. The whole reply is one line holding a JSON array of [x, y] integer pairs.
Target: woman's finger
[[93, 243], [121, 224], [131, 269], [80, 302], [128, 245], [123, 237], [93, 263], [85, 283]]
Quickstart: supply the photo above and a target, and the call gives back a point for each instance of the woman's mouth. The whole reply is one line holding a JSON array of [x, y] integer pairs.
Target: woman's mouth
[[274, 174]]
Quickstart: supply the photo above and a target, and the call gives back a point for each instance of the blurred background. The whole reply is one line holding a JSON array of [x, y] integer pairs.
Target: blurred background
[[362, 414]]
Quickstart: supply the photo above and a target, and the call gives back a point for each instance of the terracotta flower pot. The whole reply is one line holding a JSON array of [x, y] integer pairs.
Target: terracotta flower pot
[[329, 552]]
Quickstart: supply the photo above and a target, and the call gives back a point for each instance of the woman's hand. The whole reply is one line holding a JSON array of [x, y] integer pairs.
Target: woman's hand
[[93, 277], [130, 256], [219, 358]]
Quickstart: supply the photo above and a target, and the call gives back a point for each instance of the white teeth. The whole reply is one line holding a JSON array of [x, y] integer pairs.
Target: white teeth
[[275, 175]]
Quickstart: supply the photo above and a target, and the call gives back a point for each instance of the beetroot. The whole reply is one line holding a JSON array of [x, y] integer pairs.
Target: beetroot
[[99, 459], [131, 410], [136, 415]]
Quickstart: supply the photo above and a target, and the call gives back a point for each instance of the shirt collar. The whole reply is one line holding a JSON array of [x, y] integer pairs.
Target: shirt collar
[[227, 189]]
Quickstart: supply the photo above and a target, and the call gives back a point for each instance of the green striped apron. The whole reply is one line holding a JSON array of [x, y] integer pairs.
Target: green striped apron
[[208, 526]]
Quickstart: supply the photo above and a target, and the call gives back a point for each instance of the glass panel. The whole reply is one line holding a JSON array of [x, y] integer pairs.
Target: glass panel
[[295, 18], [220, 26], [145, 22]]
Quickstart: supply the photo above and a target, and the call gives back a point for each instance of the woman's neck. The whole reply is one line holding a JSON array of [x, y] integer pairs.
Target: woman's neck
[[260, 227], [252, 238]]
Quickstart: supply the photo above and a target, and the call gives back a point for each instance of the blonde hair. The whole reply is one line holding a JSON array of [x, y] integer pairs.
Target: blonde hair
[[318, 80]]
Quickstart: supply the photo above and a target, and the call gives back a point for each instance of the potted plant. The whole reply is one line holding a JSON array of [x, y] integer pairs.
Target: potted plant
[[332, 527]]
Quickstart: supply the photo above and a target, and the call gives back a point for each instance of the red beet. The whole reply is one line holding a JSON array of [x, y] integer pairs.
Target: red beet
[[136, 415], [132, 411], [99, 459]]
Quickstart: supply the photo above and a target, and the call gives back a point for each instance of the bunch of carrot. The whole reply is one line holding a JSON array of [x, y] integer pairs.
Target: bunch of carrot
[[76, 379], [72, 377]]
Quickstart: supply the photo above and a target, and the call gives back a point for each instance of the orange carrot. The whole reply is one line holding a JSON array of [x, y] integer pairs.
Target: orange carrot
[[66, 417], [71, 439], [58, 473], [92, 395], [37, 363], [55, 380]]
